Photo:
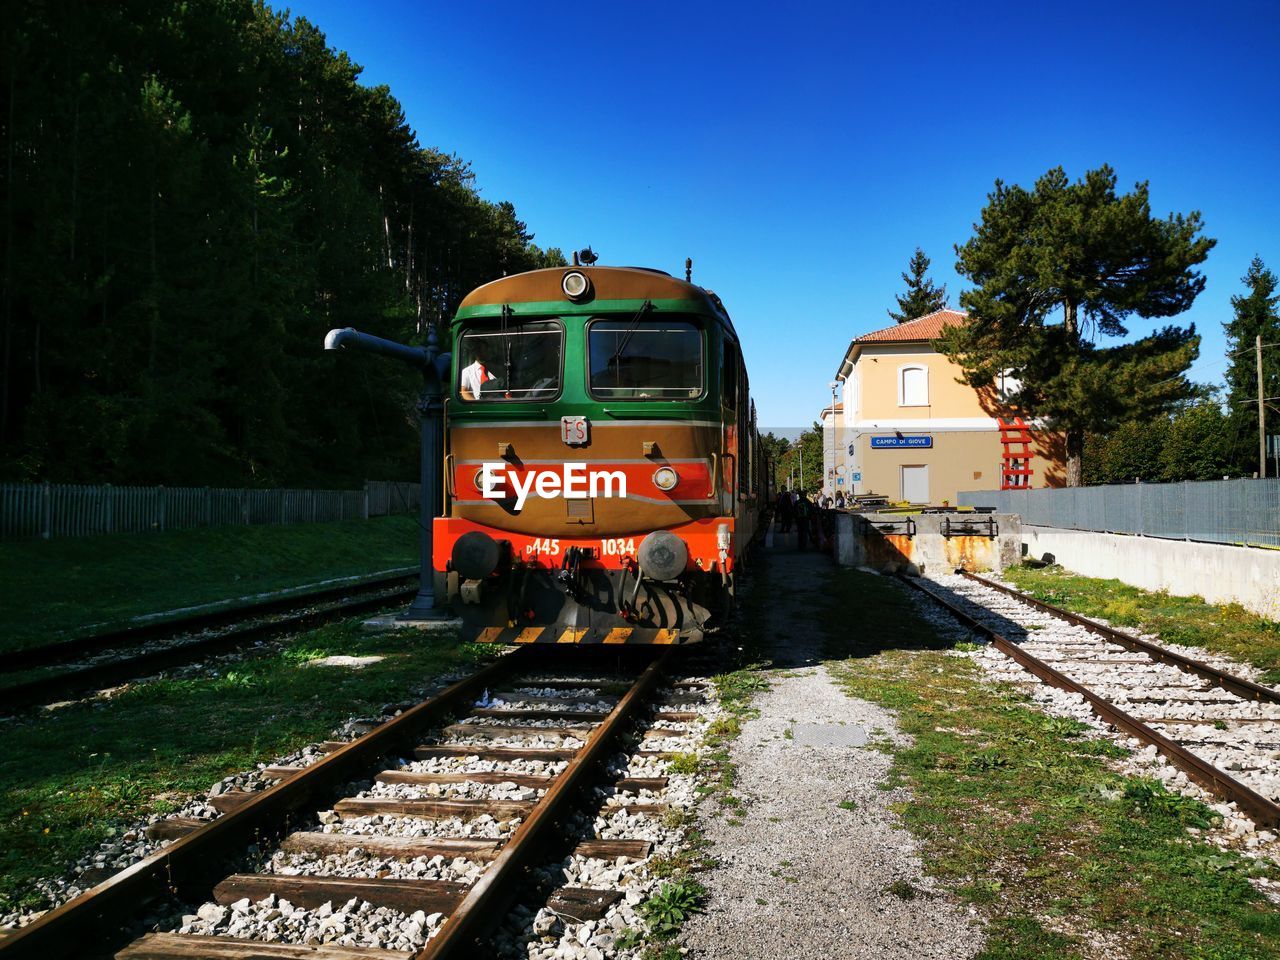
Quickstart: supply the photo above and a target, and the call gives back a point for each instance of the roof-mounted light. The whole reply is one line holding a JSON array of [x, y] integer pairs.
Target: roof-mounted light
[[576, 286]]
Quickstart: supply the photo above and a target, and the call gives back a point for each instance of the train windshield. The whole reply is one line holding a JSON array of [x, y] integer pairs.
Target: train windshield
[[519, 360], [649, 360]]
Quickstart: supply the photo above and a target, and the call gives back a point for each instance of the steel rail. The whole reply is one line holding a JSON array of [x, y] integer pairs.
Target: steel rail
[[185, 866], [1228, 681], [1264, 811], [480, 908], [65, 650], [98, 675]]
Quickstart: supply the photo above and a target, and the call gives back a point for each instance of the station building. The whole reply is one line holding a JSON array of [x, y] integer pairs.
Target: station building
[[909, 429]]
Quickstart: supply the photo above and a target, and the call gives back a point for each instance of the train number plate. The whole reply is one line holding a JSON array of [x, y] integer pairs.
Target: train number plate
[[575, 431]]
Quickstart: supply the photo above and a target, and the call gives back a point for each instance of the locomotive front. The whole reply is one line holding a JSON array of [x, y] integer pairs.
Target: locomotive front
[[597, 485]]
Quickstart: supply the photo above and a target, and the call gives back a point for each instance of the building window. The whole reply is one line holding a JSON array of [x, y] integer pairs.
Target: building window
[[913, 386]]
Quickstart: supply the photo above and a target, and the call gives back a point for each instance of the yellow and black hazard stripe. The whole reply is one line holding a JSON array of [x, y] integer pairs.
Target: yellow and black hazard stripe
[[560, 633]]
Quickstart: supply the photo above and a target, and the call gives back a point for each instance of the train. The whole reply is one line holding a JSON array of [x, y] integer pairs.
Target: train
[[603, 472]]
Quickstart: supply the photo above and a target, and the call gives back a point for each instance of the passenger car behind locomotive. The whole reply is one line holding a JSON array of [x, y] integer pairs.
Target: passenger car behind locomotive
[[615, 373]]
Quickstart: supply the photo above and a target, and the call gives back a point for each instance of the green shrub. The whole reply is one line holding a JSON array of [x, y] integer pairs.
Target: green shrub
[[673, 903]]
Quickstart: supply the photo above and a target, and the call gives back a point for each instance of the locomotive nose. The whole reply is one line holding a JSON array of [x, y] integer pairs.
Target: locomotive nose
[[663, 555], [475, 555]]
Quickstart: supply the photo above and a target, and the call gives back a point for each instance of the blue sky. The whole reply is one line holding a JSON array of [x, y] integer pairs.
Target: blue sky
[[799, 153]]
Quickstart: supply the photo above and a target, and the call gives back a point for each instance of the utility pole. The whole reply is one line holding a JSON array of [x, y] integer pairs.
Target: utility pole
[[835, 441], [1262, 412]]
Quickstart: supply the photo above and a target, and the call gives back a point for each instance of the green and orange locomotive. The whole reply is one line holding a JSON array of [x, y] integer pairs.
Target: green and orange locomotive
[[603, 475]]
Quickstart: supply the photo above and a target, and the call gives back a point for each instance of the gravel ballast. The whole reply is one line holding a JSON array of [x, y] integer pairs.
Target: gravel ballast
[[801, 876]]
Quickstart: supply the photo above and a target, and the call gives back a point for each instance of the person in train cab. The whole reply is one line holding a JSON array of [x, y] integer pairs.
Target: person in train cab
[[473, 379]]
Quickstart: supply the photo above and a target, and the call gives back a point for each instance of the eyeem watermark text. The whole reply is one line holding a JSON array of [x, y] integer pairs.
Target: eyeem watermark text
[[573, 481]]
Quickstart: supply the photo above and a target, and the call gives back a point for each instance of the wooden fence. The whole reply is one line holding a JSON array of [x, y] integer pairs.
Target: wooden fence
[[30, 510]]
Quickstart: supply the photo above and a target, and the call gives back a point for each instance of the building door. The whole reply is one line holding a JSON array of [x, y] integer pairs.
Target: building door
[[915, 484]]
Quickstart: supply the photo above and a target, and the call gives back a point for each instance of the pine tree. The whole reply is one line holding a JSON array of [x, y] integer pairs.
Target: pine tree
[[922, 296], [1255, 315], [1099, 257]]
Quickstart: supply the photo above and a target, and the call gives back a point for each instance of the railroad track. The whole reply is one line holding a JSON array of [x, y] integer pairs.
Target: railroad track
[[102, 660], [1220, 729], [468, 788]]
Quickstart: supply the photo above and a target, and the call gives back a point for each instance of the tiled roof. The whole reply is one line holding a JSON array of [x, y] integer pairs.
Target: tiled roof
[[928, 327]]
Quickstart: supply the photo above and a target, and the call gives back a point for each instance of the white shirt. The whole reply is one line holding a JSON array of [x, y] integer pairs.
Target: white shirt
[[474, 376]]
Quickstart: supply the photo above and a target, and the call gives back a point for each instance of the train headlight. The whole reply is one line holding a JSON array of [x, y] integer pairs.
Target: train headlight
[[575, 285], [478, 480], [665, 478]]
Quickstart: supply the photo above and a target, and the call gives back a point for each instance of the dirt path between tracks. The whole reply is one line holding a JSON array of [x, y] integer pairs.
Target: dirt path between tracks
[[819, 864]]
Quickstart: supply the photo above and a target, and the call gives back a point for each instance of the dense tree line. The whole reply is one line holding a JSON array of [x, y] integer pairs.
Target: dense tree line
[[194, 192], [797, 464], [1206, 439], [1194, 443]]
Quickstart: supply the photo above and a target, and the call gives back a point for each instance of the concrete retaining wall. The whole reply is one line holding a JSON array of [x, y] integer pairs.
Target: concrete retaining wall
[[1217, 572], [859, 543]]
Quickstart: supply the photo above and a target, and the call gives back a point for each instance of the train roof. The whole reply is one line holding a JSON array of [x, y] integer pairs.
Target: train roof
[[612, 288]]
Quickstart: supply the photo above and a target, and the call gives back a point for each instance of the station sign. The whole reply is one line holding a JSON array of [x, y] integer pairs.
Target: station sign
[[899, 442], [857, 477]]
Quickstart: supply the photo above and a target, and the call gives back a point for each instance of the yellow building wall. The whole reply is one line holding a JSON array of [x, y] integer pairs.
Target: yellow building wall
[[878, 374], [956, 461]]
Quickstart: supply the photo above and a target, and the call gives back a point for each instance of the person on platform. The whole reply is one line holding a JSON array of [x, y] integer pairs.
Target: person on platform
[[839, 499], [784, 511], [804, 513]]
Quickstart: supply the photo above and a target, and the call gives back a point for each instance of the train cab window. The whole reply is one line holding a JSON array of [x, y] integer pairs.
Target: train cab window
[[518, 361], [652, 360]]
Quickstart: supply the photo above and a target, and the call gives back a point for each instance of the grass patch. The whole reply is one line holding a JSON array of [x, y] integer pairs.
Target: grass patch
[[683, 763], [1229, 629], [74, 778], [901, 889], [58, 588], [1024, 818], [671, 905]]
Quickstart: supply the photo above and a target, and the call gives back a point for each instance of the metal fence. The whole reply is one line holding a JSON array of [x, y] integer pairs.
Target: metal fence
[[1215, 511], [29, 510]]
